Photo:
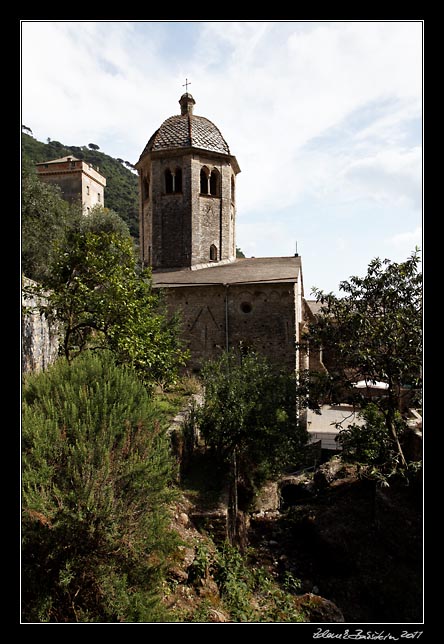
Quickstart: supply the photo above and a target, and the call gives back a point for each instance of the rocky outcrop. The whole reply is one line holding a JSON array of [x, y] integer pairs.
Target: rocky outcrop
[[318, 609]]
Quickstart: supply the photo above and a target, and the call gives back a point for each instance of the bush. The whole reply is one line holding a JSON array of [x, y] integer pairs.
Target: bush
[[96, 470]]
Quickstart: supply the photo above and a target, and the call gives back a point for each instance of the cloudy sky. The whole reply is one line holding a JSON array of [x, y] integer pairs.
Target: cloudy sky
[[324, 118]]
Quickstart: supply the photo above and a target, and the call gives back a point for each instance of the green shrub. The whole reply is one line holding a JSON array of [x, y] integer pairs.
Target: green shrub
[[370, 443], [96, 471]]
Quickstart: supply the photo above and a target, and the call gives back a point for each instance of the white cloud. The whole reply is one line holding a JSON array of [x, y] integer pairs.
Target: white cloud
[[391, 175], [410, 238]]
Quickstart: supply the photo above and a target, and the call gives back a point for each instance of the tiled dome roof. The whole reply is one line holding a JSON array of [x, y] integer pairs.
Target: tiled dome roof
[[187, 130]]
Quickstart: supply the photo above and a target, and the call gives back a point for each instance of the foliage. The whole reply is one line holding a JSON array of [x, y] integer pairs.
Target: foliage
[[239, 252], [98, 296], [45, 217], [121, 192], [370, 443], [251, 410], [95, 489], [247, 591], [372, 333]]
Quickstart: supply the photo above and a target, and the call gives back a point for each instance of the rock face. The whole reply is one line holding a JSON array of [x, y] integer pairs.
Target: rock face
[[327, 473], [40, 339], [267, 498], [319, 609]]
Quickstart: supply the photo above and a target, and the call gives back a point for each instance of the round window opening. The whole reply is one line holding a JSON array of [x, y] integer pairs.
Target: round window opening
[[246, 307]]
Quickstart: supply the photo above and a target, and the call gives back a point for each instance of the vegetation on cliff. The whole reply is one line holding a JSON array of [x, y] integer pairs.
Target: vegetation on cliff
[[121, 192]]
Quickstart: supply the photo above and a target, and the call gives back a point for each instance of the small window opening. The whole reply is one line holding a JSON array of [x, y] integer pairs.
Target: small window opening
[[214, 183], [232, 189], [87, 190], [204, 181], [146, 187], [213, 253], [168, 181], [246, 307]]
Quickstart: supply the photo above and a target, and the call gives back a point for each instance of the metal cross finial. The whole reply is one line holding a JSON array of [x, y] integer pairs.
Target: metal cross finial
[[186, 85]]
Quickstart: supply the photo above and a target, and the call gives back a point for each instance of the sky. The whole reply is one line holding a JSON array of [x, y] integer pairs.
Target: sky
[[324, 118]]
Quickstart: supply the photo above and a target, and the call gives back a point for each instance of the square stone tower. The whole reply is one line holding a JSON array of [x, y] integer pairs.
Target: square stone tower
[[78, 180]]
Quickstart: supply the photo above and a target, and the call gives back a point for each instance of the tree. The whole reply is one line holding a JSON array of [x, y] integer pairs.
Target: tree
[[93, 146], [45, 217], [96, 482], [249, 417], [102, 301], [239, 252], [373, 333], [370, 443]]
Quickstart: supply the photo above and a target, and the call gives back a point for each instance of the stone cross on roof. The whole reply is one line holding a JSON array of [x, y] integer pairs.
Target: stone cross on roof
[[186, 84]]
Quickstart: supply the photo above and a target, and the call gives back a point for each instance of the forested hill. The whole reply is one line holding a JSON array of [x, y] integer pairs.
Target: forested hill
[[121, 192]]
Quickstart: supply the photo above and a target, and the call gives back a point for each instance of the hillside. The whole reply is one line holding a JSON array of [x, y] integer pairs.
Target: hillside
[[121, 192]]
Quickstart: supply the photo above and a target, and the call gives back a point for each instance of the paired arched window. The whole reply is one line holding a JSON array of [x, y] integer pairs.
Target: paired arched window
[[173, 181], [210, 182]]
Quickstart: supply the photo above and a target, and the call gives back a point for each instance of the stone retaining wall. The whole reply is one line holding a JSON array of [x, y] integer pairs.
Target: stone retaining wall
[[40, 339]]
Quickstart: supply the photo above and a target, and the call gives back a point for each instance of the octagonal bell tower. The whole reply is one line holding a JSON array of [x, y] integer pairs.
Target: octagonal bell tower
[[187, 184]]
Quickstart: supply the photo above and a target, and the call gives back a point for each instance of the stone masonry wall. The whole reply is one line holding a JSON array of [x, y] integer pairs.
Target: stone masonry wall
[[260, 317], [40, 340]]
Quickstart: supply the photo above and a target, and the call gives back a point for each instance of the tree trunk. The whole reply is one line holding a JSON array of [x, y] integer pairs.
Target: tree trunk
[[390, 422]]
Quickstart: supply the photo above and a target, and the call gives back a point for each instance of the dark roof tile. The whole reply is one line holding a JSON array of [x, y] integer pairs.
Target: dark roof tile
[[185, 131], [241, 271]]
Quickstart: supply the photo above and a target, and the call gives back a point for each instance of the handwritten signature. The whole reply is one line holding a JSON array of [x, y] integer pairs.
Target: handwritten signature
[[359, 634]]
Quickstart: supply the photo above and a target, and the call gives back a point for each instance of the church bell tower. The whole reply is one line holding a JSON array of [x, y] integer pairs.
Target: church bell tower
[[187, 184]]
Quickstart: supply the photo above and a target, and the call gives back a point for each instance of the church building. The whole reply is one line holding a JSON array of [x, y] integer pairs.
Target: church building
[[187, 180]]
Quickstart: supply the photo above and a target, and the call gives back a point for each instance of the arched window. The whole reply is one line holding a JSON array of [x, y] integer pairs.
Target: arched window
[[213, 253], [215, 183], [145, 187], [233, 188], [178, 180], [168, 181], [204, 181]]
